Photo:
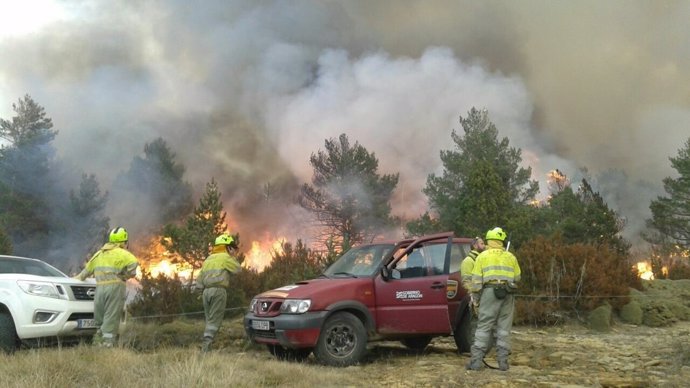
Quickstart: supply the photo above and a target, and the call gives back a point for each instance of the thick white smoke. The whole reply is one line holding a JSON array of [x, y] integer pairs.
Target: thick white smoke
[[245, 91]]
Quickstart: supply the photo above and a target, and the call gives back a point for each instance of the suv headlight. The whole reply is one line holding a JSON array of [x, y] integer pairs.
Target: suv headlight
[[252, 305], [295, 306], [39, 288]]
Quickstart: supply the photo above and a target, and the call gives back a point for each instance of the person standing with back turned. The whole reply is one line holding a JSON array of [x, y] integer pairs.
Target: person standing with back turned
[[495, 274], [214, 278], [112, 265]]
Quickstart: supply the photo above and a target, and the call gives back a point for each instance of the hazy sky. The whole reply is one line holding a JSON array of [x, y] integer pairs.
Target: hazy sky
[[245, 91]]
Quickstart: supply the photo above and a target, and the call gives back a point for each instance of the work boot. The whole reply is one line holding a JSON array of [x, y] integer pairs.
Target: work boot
[[206, 344], [502, 364], [475, 362]]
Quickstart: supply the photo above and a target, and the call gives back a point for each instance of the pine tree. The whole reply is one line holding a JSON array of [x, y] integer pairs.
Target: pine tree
[[671, 213], [25, 175], [347, 196], [192, 241], [482, 184]]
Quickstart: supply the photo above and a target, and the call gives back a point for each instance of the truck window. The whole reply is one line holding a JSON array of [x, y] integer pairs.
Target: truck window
[[412, 265], [437, 253], [457, 254]]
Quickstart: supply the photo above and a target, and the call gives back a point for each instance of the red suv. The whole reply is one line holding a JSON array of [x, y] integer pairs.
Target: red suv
[[408, 290]]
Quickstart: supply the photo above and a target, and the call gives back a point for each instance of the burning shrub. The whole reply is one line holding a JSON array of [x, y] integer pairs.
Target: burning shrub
[[577, 277]]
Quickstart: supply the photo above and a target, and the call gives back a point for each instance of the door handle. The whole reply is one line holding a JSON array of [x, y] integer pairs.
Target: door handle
[[437, 285]]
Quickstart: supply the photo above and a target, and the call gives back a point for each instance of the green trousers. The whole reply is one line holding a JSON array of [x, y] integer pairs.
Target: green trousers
[[109, 304], [214, 309], [494, 314]]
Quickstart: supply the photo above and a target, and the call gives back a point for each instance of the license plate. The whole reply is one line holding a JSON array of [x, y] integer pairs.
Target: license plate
[[86, 324], [261, 325]]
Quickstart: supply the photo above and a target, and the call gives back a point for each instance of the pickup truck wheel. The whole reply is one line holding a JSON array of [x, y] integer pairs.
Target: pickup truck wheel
[[417, 344], [343, 340], [464, 333], [8, 335], [285, 354]]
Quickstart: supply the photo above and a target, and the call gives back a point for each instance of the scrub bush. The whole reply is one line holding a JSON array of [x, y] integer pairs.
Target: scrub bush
[[572, 277]]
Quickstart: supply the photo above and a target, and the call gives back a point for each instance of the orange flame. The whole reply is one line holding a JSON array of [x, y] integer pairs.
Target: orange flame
[[644, 270], [260, 255]]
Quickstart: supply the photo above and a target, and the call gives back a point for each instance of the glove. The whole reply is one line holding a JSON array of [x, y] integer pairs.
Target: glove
[[474, 299]]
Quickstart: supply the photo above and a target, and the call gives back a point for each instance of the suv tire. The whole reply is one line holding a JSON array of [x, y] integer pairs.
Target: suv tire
[[8, 335], [285, 354], [343, 340], [464, 333]]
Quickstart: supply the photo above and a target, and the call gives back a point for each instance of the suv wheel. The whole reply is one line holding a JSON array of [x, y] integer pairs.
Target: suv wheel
[[343, 340], [464, 333], [286, 354], [8, 336], [417, 344]]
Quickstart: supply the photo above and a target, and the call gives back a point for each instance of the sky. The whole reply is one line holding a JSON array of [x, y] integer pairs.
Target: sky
[[245, 91]]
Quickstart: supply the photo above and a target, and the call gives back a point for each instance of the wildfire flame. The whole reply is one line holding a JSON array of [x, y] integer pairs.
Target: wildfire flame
[[557, 181], [260, 255], [157, 260], [644, 270]]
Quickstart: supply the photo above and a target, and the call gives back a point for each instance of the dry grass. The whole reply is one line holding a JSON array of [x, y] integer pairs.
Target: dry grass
[[166, 355], [168, 367]]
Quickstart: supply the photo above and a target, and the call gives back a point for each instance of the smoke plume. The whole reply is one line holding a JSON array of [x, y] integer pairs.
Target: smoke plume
[[245, 91]]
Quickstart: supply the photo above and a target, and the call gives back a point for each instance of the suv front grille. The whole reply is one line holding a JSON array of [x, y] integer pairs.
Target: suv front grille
[[84, 292], [77, 316]]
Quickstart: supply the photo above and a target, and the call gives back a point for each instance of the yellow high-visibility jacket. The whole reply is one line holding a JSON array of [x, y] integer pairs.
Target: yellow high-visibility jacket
[[216, 270], [111, 264], [466, 269], [494, 265]]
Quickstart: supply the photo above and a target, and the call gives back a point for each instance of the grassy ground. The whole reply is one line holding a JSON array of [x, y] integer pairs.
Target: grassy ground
[[167, 355]]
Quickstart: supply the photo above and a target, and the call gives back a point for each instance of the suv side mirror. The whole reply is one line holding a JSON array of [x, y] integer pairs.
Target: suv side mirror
[[384, 273]]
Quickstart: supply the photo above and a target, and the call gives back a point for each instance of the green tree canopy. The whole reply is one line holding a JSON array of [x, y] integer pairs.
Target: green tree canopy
[[193, 240], [482, 184], [155, 182], [671, 213], [582, 217], [26, 182], [347, 196]]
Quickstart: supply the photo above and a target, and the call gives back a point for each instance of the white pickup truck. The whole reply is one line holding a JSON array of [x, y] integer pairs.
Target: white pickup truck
[[38, 303]]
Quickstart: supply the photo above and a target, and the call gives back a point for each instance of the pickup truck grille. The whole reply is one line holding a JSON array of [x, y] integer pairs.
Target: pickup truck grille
[[84, 292], [268, 307]]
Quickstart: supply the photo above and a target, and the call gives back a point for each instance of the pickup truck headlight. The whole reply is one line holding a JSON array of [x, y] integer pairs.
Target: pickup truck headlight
[[39, 288], [252, 305], [295, 306]]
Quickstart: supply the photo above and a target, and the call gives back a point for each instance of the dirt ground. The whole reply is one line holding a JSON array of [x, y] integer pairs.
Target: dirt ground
[[565, 356]]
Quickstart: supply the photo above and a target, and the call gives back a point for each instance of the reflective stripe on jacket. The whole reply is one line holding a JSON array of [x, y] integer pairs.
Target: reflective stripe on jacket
[[494, 265], [466, 269], [111, 264], [216, 270]]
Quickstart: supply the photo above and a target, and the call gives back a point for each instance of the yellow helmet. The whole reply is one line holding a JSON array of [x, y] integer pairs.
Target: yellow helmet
[[224, 239], [118, 235], [496, 234]]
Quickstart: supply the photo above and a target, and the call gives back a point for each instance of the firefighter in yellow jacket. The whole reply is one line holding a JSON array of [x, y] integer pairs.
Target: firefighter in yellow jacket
[[494, 277], [214, 278], [112, 265]]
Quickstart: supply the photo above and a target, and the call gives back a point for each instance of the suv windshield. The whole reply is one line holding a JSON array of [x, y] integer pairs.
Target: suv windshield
[[28, 267], [359, 261]]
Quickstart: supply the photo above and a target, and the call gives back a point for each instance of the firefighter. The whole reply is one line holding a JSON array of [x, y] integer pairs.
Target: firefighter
[[112, 265], [494, 277], [477, 246], [214, 279]]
